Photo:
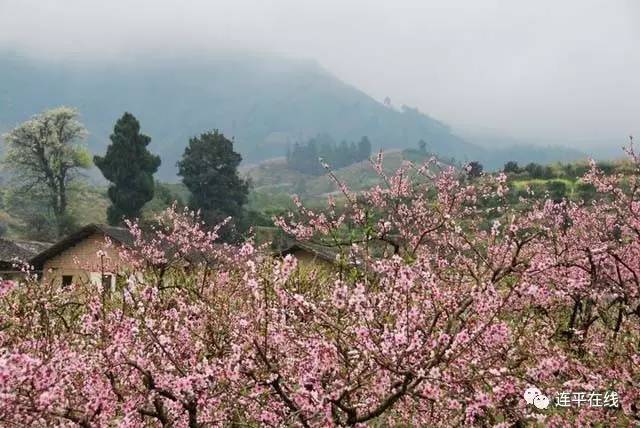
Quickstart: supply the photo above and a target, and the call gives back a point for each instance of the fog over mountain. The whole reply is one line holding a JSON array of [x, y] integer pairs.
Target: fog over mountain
[[265, 103], [533, 73]]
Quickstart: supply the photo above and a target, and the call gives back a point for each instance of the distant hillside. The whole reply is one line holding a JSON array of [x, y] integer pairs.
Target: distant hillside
[[524, 154], [502, 148], [263, 102], [273, 182]]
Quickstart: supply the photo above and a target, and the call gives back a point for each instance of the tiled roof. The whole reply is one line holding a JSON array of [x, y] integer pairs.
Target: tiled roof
[[117, 234], [320, 251], [22, 250]]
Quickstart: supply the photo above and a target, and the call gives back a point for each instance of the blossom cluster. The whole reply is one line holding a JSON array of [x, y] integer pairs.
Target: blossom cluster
[[443, 320]]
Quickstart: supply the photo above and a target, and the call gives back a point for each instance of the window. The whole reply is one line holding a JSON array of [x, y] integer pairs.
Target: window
[[107, 281], [67, 280]]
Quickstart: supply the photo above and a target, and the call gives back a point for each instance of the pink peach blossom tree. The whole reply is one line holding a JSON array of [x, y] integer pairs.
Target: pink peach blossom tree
[[444, 304]]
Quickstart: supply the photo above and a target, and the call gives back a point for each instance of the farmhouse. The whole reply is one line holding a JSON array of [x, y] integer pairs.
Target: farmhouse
[[327, 257], [77, 258], [310, 255], [84, 256], [320, 257]]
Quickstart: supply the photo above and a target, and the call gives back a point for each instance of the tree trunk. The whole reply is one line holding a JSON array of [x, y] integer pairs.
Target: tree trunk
[[61, 206]]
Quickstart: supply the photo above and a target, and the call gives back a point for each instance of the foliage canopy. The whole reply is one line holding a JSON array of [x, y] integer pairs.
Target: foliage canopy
[[129, 166], [209, 169], [45, 154]]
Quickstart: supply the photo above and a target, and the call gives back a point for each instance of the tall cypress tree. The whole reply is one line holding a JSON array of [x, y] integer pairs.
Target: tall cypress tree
[[129, 166], [209, 169]]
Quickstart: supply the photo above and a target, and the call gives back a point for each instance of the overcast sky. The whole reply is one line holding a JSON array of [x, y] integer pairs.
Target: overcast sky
[[537, 69]]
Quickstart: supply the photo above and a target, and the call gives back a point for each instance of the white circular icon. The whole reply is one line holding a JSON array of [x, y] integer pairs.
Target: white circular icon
[[531, 393], [541, 401]]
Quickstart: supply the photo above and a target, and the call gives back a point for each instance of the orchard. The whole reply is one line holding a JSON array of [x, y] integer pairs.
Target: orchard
[[446, 303]]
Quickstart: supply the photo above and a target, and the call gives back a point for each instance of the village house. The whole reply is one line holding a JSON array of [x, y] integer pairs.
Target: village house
[[84, 256], [310, 255], [13, 252]]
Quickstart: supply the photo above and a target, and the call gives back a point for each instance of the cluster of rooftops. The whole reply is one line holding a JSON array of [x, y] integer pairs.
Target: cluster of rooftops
[[61, 256]]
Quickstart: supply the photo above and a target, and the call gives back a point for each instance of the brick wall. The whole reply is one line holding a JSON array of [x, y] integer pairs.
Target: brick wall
[[82, 259]]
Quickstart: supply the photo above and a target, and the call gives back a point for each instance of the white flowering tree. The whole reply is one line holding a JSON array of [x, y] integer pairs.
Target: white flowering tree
[[45, 154]]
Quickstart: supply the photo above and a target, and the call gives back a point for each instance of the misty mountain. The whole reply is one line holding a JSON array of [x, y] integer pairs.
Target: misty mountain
[[524, 154], [263, 102], [502, 148]]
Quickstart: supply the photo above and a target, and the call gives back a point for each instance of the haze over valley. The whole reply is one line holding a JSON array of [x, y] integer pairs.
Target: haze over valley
[[492, 82]]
